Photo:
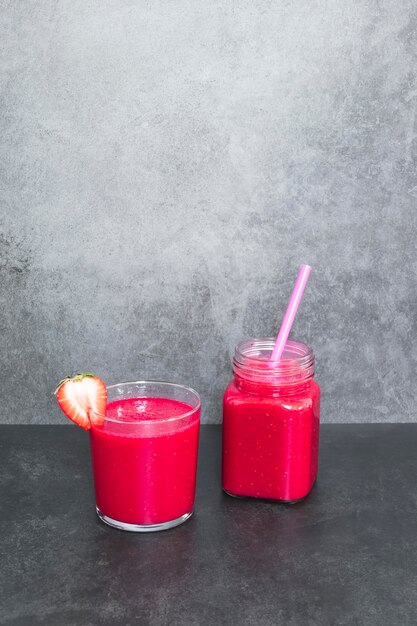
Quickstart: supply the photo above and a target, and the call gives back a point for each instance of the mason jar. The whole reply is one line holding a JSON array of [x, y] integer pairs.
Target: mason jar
[[271, 416]]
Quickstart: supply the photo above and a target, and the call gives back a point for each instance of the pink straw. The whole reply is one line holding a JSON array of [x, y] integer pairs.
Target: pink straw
[[290, 313]]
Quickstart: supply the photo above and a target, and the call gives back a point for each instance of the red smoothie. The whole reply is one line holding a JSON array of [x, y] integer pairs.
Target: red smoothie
[[270, 431], [145, 464]]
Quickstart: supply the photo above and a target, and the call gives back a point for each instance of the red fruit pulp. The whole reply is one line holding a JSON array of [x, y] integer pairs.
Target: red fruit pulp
[[145, 466], [270, 443]]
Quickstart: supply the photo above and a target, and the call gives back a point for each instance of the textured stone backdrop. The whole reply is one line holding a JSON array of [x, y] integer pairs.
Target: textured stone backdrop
[[166, 166]]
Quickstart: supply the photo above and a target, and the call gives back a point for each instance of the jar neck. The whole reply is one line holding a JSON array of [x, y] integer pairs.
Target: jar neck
[[255, 373]]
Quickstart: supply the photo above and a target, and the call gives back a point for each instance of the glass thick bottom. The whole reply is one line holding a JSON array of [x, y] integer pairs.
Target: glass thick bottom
[[143, 528], [273, 500]]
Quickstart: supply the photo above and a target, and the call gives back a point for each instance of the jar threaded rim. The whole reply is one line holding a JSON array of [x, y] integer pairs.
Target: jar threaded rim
[[251, 361]]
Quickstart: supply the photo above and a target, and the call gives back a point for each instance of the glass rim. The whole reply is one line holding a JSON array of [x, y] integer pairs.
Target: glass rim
[[154, 421], [268, 343], [251, 363]]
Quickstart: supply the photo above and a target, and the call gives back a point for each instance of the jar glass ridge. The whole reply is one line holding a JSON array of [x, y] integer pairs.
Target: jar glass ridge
[[254, 372]]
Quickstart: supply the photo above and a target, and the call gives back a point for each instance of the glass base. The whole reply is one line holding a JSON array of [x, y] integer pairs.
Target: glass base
[[233, 495], [143, 528]]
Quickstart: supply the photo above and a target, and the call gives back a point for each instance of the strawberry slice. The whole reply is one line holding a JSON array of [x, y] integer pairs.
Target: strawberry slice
[[83, 398]]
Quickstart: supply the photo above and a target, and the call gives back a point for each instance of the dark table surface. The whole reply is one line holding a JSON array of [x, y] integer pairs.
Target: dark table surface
[[346, 555]]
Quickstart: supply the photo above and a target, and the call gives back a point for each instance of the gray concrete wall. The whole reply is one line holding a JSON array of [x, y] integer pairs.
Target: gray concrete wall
[[165, 168]]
